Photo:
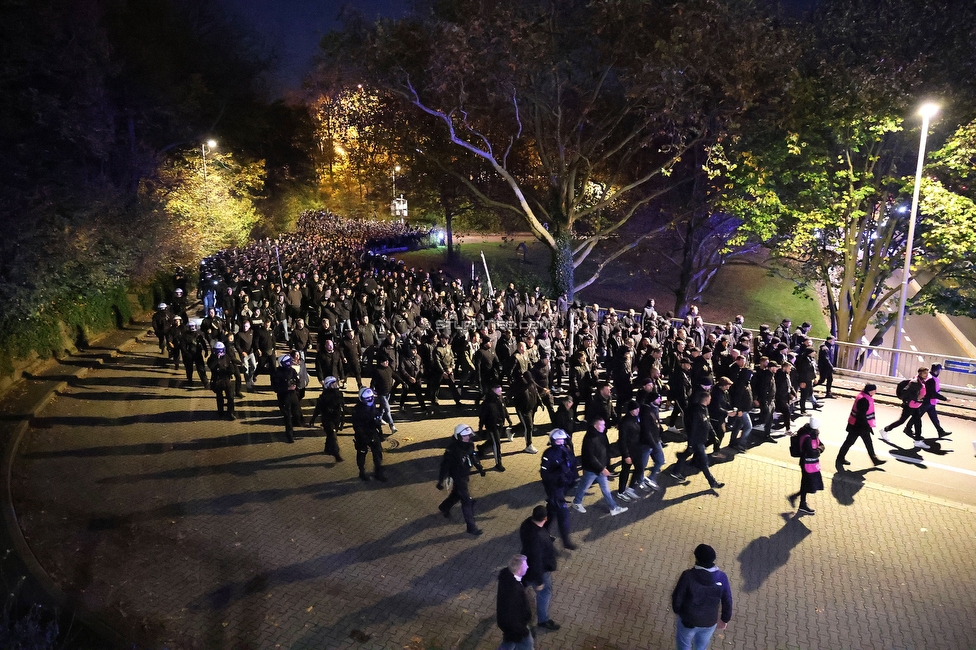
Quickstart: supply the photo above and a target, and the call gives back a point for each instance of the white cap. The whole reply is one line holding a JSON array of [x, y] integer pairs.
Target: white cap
[[815, 423]]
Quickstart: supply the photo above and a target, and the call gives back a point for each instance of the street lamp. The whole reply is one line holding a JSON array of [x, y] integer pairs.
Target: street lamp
[[209, 145], [927, 111], [395, 170]]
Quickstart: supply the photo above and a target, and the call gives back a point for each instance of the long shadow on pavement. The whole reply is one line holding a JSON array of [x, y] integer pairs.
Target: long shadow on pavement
[[846, 484], [764, 555]]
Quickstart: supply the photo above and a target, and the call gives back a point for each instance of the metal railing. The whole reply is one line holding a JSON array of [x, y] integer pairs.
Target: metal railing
[[866, 360]]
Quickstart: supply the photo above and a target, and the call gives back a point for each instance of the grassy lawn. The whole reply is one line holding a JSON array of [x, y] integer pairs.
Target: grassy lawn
[[738, 288]]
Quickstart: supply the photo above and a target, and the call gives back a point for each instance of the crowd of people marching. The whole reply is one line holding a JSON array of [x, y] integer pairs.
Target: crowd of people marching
[[320, 302]]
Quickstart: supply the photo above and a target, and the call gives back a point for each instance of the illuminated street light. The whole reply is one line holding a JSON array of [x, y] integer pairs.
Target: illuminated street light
[[209, 145], [398, 208], [927, 111]]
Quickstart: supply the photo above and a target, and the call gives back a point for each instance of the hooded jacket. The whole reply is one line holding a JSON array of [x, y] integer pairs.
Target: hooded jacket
[[699, 593]]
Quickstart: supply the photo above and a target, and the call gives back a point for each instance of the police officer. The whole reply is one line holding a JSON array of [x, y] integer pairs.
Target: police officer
[[194, 347], [161, 322], [459, 458], [174, 340], [330, 406], [368, 434], [558, 470], [284, 382], [222, 371]]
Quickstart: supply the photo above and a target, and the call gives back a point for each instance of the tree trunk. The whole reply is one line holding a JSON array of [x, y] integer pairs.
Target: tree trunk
[[561, 269], [686, 272], [449, 227]]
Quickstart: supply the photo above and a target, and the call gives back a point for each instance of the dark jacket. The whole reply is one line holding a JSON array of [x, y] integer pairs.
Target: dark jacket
[[697, 596], [650, 421], [492, 412], [329, 405], [538, 549], [595, 452], [628, 437], [512, 607], [382, 381], [459, 458], [698, 425], [558, 468]]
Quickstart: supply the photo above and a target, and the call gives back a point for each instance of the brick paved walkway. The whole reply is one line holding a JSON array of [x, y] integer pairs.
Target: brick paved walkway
[[188, 532]]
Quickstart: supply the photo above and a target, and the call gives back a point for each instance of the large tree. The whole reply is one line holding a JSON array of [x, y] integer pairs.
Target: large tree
[[577, 111], [822, 180]]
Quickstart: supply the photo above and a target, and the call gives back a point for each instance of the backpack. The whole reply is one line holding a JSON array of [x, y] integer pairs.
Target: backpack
[[796, 444], [901, 389], [907, 390]]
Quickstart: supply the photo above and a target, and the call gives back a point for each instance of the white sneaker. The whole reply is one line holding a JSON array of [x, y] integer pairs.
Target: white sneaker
[[531, 450], [616, 511], [631, 493], [921, 444], [653, 484], [578, 507], [644, 484], [508, 431], [623, 496], [884, 435]]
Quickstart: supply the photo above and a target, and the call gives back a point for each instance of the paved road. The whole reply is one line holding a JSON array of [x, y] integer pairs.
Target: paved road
[[188, 532]]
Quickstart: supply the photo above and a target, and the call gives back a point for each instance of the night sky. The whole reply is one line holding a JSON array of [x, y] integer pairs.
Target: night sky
[[293, 28]]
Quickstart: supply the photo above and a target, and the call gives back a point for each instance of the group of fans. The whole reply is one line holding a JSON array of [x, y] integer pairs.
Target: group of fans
[[318, 298]]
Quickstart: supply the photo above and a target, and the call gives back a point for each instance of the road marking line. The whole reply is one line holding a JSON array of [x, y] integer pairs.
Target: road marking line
[[922, 461], [914, 349], [907, 340]]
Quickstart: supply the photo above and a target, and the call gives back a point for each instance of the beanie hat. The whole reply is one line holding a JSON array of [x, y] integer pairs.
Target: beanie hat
[[869, 387], [705, 556]]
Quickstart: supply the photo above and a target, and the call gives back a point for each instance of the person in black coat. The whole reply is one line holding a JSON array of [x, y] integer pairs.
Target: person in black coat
[[784, 393], [491, 418], [825, 365], [540, 555], [628, 440], [558, 472], [679, 386], [806, 374], [512, 610], [332, 410], [719, 410], [651, 446], [459, 458], [699, 428]]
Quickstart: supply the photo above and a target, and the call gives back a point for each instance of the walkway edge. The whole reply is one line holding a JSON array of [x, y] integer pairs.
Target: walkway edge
[[65, 604]]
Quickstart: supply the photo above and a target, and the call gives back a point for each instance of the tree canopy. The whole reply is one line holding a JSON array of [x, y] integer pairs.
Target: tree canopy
[[577, 111]]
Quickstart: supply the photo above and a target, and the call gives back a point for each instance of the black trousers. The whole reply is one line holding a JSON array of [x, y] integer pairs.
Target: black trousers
[[852, 437], [459, 492], [366, 443], [558, 510], [291, 408], [224, 393]]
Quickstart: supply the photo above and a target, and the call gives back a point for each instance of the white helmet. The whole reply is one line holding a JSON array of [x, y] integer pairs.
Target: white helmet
[[161, 306], [463, 430], [366, 395], [218, 347], [558, 434], [330, 382]]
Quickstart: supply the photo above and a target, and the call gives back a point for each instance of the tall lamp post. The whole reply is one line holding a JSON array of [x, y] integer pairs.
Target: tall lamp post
[[395, 170], [927, 111], [204, 148]]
